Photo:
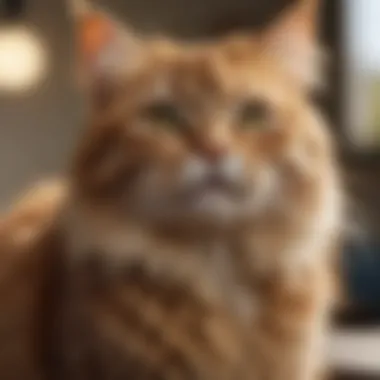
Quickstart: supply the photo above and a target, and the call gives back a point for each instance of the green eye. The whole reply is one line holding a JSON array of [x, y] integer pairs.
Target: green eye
[[164, 115], [254, 115]]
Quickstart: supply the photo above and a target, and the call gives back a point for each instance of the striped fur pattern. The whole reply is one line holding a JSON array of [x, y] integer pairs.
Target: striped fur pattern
[[197, 236]]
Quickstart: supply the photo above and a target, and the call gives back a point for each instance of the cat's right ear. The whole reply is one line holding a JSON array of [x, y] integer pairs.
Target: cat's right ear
[[292, 40], [105, 48]]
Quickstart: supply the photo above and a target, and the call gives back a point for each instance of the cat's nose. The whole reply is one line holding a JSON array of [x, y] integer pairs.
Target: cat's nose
[[215, 153]]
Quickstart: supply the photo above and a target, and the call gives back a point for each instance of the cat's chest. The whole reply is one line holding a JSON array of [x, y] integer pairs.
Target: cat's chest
[[212, 269], [208, 270], [226, 269]]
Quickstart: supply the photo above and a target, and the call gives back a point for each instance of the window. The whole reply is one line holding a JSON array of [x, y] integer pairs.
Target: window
[[362, 89]]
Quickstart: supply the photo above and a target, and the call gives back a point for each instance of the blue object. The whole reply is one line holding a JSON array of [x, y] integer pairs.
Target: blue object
[[361, 267]]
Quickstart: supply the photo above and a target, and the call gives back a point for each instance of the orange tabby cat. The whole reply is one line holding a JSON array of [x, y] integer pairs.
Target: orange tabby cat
[[197, 235]]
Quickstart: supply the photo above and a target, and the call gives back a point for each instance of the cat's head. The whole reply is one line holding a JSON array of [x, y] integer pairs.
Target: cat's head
[[212, 132]]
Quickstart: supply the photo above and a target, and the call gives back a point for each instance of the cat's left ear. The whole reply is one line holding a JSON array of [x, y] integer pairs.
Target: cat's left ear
[[106, 49], [293, 41]]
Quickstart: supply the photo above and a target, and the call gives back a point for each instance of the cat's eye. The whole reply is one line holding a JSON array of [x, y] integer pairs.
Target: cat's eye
[[254, 114], [164, 114]]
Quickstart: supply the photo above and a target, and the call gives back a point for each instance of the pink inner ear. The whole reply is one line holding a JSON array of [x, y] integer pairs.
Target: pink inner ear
[[95, 33]]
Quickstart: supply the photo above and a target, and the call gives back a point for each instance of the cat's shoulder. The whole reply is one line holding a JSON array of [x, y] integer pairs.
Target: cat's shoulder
[[31, 212], [24, 268], [23, 226]]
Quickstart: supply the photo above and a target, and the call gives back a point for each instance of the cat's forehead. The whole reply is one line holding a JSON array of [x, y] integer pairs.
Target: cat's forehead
[[282, 58], [233, 67]]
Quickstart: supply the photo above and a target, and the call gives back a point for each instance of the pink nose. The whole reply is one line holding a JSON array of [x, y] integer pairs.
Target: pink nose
[[214, 152]]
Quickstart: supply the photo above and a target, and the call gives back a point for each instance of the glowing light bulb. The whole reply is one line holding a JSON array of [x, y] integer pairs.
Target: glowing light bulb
[[23, 61]]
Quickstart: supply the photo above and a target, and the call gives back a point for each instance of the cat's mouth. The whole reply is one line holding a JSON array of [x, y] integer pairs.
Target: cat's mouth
[[215, 197], [214, 186]]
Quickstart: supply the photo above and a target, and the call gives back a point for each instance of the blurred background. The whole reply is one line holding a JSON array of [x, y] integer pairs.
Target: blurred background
[[41, 112]]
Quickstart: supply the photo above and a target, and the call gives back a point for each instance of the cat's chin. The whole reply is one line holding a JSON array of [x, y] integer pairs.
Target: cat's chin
[[217, 206], [212, 209]]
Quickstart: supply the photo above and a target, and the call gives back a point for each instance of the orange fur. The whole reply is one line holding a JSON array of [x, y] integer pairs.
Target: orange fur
[[23, 273], [195, 239]]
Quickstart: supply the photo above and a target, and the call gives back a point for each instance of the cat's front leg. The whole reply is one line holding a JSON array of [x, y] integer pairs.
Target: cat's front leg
[[292, 328]]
